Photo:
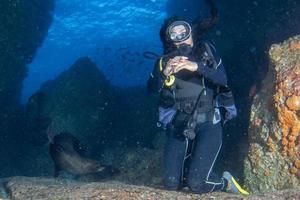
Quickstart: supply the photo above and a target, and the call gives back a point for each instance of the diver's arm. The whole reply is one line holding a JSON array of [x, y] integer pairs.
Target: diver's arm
[[216, 75], [214, 71], [155, 80]]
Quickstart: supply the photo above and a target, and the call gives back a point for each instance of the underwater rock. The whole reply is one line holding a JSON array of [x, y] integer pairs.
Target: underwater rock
[[274, 133], [76, 101], [24, 25], [44, 188]]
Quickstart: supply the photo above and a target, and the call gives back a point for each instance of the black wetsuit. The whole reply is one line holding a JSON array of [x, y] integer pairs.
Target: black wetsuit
[[208, 141]]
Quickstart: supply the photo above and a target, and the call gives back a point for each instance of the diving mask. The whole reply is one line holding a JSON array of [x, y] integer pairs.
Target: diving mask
[[179, 31]]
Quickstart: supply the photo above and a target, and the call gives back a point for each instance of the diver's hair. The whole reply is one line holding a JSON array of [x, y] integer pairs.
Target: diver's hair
[[199, 27]]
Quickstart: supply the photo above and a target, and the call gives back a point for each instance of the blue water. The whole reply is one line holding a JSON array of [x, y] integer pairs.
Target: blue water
[[114, 33]]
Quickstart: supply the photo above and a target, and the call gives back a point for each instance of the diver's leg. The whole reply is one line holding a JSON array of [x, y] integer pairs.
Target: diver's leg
[[207, 147], [174, 155]]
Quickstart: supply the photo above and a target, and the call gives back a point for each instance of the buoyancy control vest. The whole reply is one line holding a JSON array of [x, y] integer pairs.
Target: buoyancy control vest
[[181, 90]]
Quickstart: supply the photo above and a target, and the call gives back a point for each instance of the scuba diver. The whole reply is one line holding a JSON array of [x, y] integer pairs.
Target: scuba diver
[[192, 85]]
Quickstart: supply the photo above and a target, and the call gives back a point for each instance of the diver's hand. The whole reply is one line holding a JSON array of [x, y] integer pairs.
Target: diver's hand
[[172, 63], [186, 64], [168, 70]]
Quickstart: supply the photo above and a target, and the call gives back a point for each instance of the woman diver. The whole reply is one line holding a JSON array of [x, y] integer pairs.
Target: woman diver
[[192, 84]]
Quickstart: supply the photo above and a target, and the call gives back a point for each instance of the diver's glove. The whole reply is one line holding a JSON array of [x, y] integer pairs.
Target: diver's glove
[[230, 113]]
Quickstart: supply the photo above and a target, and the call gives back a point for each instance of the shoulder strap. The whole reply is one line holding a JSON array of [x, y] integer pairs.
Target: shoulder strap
[[160, 64], [210, 54]]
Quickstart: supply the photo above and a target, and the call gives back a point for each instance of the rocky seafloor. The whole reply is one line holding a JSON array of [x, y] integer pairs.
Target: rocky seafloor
[[47, 188]]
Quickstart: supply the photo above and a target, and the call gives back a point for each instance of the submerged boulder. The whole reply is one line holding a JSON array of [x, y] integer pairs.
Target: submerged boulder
[[76, 101], [273, 160]]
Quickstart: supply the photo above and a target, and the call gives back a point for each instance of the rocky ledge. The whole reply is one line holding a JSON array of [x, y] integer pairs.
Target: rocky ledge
[[48, 188]]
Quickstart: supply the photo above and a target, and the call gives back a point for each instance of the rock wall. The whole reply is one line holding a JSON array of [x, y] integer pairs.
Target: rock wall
[[24, 25], [273, 160]]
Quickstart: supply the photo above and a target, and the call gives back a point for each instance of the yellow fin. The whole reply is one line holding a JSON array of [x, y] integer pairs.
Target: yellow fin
[[241, 190]]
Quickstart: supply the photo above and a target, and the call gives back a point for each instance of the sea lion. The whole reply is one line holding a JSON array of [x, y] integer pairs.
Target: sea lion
[[68, 154]]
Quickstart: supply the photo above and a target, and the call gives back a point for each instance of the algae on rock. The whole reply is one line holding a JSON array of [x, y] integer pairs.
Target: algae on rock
[[273, 160]]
